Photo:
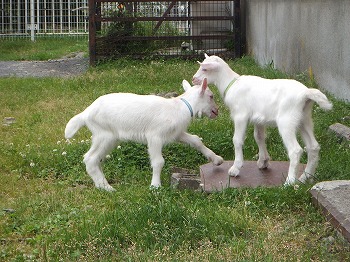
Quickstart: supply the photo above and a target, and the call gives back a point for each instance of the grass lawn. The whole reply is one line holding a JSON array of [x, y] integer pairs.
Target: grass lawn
[[42, 49], [50, 211]]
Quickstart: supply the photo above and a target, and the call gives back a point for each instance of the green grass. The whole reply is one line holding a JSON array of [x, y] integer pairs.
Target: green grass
[[42, 49], [60, 216]]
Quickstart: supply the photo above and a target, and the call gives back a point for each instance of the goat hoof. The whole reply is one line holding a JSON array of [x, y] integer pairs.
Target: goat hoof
[[233, 171], [263, 164], [289, 182], [154, 187], [217, 160], [306, 178], [302, 178], [107, 188]]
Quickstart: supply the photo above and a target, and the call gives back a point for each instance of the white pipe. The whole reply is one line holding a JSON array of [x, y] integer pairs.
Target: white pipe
[[61, 16], [32, 21], [19, 16], [11, 16], [69, 17], [45, 17], [26, 27], [53, 15], [38, 15]]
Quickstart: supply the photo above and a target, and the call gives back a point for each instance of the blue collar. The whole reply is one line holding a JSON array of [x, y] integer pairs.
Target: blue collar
[[188, 105], [229, 85]]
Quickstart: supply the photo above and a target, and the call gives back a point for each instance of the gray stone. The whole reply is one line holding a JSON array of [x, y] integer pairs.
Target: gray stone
[[184, 180], [8, 121], [9, 210], [333, 197], [340, 130]]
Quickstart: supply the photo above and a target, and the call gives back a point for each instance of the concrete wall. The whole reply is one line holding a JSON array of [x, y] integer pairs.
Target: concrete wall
[[300, 34]]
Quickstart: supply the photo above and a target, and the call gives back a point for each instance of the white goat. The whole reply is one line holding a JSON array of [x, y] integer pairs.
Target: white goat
[[282, 102], [142, 118]]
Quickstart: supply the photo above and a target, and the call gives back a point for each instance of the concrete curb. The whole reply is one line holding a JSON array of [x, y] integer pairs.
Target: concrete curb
[[333, 198]]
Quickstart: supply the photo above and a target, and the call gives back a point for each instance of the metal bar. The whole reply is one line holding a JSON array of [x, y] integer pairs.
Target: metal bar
[[26, 28], [164, 16], [45, 16], [158, 18], [32, 22], [53, 15], [77, 15], [114, 1], [237, 28], [69, 10], [92, 32], [19, 16], [85, 16], [11, 19], [2, 17], [147, 38], [38, 15], [61, 17]]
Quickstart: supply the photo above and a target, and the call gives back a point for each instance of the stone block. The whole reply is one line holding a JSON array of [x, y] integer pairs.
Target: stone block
[[333, 198], [340, 130], [216, 178], [182, 179]]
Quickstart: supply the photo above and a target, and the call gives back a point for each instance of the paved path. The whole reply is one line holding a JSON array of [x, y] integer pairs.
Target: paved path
[[53, 68]]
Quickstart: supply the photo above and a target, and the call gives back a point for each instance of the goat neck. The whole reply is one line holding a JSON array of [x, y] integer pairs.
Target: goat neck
[[225, 78], [188, 102]]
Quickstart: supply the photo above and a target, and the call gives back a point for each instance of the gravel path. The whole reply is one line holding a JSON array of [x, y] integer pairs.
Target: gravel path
[[65, 67]]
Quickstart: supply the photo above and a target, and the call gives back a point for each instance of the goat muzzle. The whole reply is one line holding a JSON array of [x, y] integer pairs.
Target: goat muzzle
[[214, 113], [196, 81]]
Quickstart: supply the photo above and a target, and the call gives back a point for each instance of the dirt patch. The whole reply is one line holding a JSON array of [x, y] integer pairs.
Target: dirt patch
[[72, 65]]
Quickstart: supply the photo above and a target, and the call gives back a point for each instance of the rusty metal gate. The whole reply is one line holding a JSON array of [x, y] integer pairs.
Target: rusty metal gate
[[140, 28]]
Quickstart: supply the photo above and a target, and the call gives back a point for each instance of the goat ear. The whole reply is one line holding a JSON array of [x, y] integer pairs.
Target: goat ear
[[186, 85], [206, 56], [204, 85]]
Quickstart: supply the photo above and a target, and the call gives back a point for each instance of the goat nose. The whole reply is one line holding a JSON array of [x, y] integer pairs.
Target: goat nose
[[214, 112], [196, 81]]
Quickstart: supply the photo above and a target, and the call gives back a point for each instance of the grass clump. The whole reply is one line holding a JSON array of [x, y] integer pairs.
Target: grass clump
[[49, 209]]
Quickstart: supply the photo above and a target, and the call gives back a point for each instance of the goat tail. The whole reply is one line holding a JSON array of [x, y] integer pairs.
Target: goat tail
[[73, 125], [320, 98]]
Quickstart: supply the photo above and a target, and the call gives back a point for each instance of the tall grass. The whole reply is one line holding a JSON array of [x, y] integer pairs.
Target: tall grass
[[50, 211]]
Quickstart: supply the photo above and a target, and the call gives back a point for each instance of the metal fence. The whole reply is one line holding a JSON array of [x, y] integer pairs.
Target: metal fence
[[142, 28], [32, 18], [131, 27]]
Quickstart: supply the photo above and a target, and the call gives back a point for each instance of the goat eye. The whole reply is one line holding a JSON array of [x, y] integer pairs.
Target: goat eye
[[204, 69], [211, 97]]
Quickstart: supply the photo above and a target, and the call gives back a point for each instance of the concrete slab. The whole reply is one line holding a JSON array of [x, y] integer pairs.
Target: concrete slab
[[333, 197], [185, 181], [216, 178]]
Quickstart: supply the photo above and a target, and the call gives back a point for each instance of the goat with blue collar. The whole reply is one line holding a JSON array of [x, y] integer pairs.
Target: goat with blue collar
[[148, 119]]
